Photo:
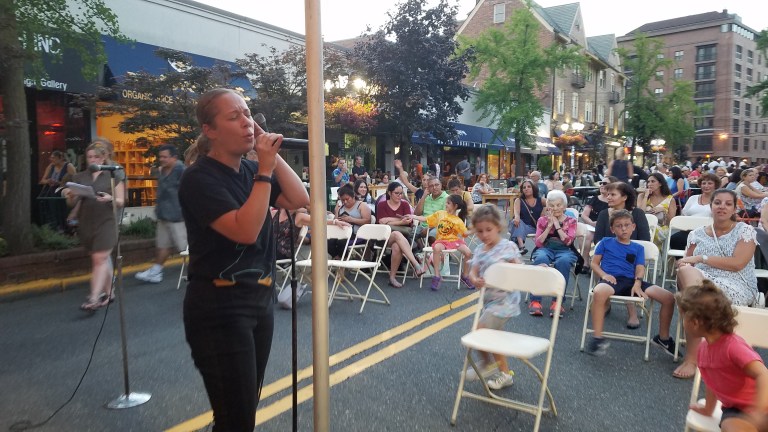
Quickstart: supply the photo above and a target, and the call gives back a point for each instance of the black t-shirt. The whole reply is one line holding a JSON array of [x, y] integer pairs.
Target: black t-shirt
[[358, 171], [597, 206], [208, 190]]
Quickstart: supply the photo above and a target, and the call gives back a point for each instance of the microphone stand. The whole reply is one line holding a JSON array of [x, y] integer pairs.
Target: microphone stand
[[127, 399]]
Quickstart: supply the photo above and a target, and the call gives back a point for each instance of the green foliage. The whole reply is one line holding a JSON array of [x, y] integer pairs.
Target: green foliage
[[515, 68], [3, 247], [46, 238], [413, 65], [545, 165], [142, 228], [762, 46]]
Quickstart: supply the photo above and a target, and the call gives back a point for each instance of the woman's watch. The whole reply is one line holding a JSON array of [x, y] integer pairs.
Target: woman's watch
[[262, 178], [704, 259]]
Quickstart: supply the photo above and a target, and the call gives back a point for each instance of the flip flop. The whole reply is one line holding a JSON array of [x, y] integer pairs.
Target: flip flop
[[679, 375], [633, 326]]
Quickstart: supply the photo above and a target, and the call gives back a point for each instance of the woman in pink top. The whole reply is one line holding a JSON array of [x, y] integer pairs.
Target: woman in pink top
[[392, 212]]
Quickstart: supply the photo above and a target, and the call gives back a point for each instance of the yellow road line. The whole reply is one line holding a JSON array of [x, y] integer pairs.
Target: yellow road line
[[285, 382], [270, 411]]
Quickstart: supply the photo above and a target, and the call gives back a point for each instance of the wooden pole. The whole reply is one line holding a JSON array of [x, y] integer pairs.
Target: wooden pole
[[318, 206]]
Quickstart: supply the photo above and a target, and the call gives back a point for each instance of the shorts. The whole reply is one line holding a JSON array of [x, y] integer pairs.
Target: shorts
[[169, 234], [455, 244], [731, 412], [490, 321], [623, 285]]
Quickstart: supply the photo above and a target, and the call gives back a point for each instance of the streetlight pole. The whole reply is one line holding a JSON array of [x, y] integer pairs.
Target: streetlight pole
[[657, 145], [576, 127]]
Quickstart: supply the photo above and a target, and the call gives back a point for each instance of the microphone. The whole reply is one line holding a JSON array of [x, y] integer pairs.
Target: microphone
[[96, 168], [261, 121]]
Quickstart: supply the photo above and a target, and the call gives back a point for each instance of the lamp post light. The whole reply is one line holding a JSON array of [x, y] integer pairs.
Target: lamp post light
[[657, 146], [576, 127]]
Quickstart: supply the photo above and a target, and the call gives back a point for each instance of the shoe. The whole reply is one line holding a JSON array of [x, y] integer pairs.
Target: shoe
[[103, 298], [523, 251], [92, 306], [467, 282], [500, 380], [150, 276], [535, 309], [486, 371], [436, 283], [668, 345], [585, 270], [633, 326], [597, 347], [552, 310]]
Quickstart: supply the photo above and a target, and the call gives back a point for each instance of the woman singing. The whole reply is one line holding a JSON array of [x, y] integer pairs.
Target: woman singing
[[228, 306]]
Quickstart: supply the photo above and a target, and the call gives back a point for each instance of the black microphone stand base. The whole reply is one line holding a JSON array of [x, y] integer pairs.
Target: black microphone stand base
[[129, 400]]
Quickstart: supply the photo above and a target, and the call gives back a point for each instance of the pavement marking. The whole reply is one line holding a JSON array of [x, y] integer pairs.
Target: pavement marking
[[285, 382]]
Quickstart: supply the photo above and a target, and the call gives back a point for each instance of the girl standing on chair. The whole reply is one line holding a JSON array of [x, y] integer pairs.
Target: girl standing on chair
[[451, 231], [733, 372], [498, 305]]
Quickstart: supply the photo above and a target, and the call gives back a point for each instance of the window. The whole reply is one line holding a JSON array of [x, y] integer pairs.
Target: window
[[738, 52], [738, 70], [747, 127], [703, 123], [588, 111], [660, 56], [750, 60], [601, 79], [561, 101], [702, 143], [736, 107], [735, 126], [747, 110], [660, 75], [765, 128], [575, 106], [746, 144], [679, 55], [659, 92], [499, 13], [610, 116], [589, 74], [763, 145], [705, 89], [705, 108], [706, 53], [613, 82], [749, 74], [678, 73], [621, 123], [737, 89], [705, 71], [735, 143], [600, 114]]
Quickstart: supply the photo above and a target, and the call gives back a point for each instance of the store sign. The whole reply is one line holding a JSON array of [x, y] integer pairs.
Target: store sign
[[63, 69]]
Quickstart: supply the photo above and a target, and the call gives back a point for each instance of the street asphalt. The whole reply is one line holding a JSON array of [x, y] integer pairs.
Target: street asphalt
[[404, 380]]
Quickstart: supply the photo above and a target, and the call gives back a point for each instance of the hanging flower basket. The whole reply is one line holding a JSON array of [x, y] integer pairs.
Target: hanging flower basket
[[571, 140]]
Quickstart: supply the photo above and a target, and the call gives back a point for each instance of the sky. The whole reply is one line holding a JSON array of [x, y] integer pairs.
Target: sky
[[345, 19]]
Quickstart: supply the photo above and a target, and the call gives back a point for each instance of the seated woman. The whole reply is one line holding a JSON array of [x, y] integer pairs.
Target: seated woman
[[480, 188], [351, 211], [657, 200], [589, 215], [622, 196], [697, 205], [723, 253], [527, 208], [555, 232], [553, 182], [456, 187], [393, 212], [678, 185], [750, 192]]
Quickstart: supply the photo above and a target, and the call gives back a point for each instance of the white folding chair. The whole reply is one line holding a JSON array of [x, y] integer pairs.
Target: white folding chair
[[283, 266], [372, 233], [679, 223], [332, 232], [536, 280], [447, 255], [646, 306], [751, 326], [653, 224], [411, 241], [581, 234], [184, 258]]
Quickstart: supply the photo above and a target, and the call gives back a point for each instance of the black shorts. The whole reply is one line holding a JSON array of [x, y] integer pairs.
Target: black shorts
[[731, 413], [623, 285]]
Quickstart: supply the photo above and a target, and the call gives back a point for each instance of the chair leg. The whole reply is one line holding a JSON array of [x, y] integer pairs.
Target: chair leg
[[586, 318], [649, 312], [181, 272], [460, 389]]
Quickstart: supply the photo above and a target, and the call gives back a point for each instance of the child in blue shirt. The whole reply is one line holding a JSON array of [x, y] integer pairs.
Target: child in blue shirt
[[620, 266]]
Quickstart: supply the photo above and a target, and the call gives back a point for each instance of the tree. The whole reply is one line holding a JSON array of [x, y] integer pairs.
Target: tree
[[762, 46], [652, 116], [413, 66], [75, 24], [165, 109]]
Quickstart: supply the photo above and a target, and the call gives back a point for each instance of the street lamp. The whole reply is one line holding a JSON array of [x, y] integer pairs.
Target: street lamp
[[657, 146], [576, 127]]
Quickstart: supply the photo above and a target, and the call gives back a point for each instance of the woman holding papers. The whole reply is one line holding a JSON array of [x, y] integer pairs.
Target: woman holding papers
[[97, 221]]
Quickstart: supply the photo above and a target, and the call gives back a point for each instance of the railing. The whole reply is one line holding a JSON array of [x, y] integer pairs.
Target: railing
[[577, 80], [614, 97]]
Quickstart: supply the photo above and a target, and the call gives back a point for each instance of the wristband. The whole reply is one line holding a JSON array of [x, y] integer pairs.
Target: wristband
[[262, 178]]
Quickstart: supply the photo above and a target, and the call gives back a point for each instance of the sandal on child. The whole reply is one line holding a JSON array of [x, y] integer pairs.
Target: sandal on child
[[436, 283], [419, 272]]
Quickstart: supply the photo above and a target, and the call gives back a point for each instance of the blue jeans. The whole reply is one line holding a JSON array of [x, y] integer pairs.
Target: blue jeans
[[563, 259]]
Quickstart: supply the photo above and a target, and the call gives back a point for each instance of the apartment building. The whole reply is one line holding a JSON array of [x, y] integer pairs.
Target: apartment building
[[719, 54]]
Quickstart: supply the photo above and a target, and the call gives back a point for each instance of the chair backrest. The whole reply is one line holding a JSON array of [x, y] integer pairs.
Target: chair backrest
[[375, 232], [572, 213], [651, 250], [302, 236], [751, 326], [688, 223], [653, 221], [537, 280], [338, 233]]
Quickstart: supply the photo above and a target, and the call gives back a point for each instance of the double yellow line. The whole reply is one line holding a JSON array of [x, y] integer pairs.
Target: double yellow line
[[282, 405]]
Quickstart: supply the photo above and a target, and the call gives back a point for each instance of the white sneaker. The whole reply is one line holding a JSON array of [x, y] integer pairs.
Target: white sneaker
[[486, 371], [150, 276], [500, 380]]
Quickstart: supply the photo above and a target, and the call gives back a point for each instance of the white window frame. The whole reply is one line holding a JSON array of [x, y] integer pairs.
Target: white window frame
[[613, 81], [600, 114], [679, 55], [659, 92], [679, 73], [601, 79], [499, 13], [588, 111], [561, 102], [575, 106], [610, 117]]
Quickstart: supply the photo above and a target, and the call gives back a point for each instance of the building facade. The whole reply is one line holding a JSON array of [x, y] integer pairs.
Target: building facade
[[719, 54]]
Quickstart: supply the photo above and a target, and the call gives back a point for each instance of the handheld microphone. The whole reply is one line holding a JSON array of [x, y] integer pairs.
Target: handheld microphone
[[96, 168], [261, 121]]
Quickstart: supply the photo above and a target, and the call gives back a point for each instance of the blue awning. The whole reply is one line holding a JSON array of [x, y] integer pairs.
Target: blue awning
[[468, 136], [124, 58]]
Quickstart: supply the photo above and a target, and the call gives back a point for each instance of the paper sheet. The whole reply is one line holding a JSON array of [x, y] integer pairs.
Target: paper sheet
[[81, 190]]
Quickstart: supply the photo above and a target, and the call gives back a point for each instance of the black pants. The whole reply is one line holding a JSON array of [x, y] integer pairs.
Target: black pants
[[229, 330], [679, 240]]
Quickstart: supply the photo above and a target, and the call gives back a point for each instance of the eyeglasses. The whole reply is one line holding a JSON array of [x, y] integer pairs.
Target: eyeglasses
[[623, 227], [603, 183]]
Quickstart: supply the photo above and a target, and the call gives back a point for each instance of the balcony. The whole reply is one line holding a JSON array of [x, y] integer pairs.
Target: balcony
[[578, 81], [614, 97]]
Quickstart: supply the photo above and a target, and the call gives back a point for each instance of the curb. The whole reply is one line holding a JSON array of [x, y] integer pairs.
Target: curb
[[42, 286]]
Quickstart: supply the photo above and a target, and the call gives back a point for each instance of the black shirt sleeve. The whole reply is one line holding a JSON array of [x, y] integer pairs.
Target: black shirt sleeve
[[601, 227]]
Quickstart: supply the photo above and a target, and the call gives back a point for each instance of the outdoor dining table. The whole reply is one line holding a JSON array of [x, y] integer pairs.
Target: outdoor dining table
[[496, 197]]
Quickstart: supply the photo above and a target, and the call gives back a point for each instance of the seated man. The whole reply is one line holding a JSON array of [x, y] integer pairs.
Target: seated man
[[620, 265], [431, 202]]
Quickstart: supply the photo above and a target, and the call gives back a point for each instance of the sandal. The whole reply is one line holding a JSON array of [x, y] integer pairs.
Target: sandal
[[680, 375], [103, 298], [523, 250], [467, 282], [92, 305], [419, 272], [436, 283]]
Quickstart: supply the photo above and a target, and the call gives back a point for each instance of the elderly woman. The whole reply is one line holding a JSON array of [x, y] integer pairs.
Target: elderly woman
[[555, 232], [657, 200], [480, 188], [393, 212], [527, 208], [723, 253], [750, 192]]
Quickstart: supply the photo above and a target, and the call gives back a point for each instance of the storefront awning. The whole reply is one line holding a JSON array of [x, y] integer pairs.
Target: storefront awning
[[468, 136], [543, 146], [125, 58], [65, 74]]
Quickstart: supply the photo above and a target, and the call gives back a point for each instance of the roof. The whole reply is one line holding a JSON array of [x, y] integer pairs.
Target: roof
[[685, 21], [562, 17], [602, 47]]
